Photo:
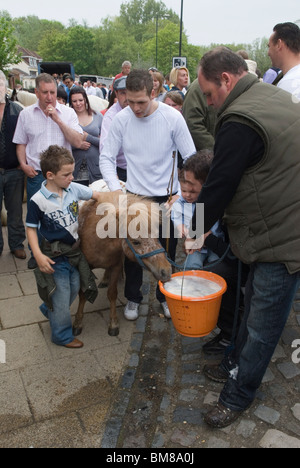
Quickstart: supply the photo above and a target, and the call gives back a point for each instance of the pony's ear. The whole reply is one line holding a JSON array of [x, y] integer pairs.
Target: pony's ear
[[119, 214], [139, 220]]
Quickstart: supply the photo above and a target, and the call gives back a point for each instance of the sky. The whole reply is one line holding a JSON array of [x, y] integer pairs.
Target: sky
[[217, 21]]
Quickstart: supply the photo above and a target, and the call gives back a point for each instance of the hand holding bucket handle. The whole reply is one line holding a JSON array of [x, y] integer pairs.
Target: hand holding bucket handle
[[192, 245]]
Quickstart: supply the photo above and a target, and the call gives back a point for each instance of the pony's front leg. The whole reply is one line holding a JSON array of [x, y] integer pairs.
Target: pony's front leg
[[77, 326], [113, 328], [112, 294], [105, 280]]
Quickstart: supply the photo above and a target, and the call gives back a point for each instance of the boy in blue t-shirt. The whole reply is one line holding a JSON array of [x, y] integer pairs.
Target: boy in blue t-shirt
[[53, 211]]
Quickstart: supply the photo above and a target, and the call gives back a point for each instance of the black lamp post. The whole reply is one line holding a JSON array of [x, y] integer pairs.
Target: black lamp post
[[181, 28], [156, 40]]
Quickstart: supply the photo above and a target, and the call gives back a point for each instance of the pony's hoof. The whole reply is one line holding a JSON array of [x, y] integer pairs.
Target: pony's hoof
[[114, 331], [103, 285], [77, 331]]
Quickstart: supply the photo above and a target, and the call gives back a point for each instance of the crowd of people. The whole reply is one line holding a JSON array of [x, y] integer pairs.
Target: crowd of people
[[236, 141]]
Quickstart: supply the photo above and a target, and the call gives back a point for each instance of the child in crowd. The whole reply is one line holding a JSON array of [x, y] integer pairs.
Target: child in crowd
[[183, 209], [62, 268], [62, 96]]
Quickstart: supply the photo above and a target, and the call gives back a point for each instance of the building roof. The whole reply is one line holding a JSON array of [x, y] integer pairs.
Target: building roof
[[28, 53]]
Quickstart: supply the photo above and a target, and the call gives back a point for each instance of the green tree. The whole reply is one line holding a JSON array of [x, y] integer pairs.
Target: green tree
[[130, 36], [79, 47], [52, 47], [76, 45], [137, 14], [114, 44], [30, 30], [258, 51], [8, 43], [167, 46]]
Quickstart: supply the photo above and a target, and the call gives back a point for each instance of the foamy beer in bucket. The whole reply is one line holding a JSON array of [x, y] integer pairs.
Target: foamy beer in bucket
[[195, 315]]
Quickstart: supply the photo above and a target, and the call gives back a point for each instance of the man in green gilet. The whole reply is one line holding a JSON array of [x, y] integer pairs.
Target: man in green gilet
[[254, 182]]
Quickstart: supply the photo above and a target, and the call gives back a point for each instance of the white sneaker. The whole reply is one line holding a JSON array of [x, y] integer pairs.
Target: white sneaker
[[131, 311], [166, 310]]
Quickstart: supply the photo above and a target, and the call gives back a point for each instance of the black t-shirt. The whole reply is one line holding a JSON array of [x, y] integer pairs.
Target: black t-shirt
[[3, 139], [237, 148]]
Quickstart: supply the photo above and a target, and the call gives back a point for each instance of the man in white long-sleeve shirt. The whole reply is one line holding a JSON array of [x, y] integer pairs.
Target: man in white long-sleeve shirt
[[149, 132]]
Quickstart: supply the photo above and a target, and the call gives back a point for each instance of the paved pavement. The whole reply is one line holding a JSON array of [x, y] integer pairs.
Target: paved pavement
[[163, 393], [51, 396], [144, 388]]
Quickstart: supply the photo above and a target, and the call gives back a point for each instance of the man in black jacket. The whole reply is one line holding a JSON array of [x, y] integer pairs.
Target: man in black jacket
[[11, 177]]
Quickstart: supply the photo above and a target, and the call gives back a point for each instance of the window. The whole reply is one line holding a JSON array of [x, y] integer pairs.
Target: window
[[32, 62]]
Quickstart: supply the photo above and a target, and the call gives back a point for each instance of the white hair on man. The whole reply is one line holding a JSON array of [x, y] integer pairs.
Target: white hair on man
[[3, 78], [3, 87]]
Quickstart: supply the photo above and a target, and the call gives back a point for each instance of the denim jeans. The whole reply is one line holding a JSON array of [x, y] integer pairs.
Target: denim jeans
[[33, 186], [228, 269], [270, 292], [67, 281], [197, 260], [12, 191]]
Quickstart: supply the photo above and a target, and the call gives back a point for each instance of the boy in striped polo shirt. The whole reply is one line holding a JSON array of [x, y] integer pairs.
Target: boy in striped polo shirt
[[53, 210]]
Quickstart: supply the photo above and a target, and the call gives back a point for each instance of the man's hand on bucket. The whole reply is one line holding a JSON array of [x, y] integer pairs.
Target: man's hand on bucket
[[195, 245]]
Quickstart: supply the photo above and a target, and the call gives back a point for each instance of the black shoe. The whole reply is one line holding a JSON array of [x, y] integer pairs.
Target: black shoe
[[216, 373], [221, 416], [32, 265], [216, 346]]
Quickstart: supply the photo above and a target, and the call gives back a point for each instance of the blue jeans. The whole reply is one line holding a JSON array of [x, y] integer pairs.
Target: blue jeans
[[33, 186], [197, 260], [12, 190], [67, 281], [270, 292]]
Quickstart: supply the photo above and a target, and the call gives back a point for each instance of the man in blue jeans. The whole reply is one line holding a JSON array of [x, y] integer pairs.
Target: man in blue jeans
[[41, 125], [254, 181], [11, 177]]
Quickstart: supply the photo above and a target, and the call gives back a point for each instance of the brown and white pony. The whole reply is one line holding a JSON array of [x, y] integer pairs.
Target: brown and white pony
[[108, 253]]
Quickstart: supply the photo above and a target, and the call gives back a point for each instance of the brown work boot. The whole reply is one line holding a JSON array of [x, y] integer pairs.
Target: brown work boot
[[75, 344], [216, 373], [19, 253], [221, 416]]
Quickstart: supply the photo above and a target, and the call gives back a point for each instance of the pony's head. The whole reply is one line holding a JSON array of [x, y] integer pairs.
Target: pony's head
[[135, 222], [142, 244]]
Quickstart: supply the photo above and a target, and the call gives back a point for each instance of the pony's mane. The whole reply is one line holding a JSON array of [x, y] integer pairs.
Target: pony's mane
[[26, 98], [145, 207], [140, 210]]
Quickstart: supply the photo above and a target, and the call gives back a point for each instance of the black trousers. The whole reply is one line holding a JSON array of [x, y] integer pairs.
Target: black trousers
[[134, 272]]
